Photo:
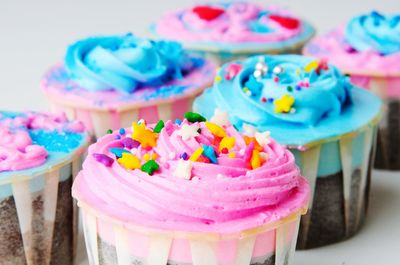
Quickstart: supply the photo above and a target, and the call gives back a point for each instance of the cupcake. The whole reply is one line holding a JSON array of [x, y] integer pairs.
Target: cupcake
[[39, 155], [368, 49], [326, 122], [189, 192], [107, 81], [227, 30]]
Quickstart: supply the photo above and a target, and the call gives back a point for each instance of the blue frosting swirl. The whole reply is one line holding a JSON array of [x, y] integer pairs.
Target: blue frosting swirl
[[300, 100], [316, 93], [125, 63], [377, 32]]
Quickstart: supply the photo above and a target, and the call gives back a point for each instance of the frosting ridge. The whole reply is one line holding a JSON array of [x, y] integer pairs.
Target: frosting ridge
[[125, 62]]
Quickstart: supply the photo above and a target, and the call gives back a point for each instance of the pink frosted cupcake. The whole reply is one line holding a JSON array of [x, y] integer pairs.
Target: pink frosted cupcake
[[368, 48], [190, 192], [108, 81], [229, 30], [39, 156]]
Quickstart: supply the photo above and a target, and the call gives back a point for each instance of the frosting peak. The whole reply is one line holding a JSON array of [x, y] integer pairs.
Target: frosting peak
[[125, 62], [196, 176], [374, 32]]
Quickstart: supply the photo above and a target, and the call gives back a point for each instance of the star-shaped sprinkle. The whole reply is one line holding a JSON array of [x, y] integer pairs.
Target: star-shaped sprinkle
[[150, 167], [263, 138], [188, 131], [129, 161], [215, 129], [248, 129], [220, 118], [227, 142], [194, 117], [284, 104], [184, 169], [143, 135], [103, 159], [210, 153], [248, 140], [254, 86]]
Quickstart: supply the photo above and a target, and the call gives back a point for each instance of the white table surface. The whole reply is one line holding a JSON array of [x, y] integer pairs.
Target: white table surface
[[378, 242], [34, 35]]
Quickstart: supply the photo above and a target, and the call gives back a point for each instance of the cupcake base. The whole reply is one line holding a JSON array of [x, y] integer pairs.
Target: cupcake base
[[388, 146], [339, 201], [327, 223], [12, 246], [108, 255], [388, 149]]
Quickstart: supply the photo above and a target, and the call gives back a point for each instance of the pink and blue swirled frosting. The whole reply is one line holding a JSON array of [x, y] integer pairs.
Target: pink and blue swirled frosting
[[125, 63], [219, 195], [28, 140]]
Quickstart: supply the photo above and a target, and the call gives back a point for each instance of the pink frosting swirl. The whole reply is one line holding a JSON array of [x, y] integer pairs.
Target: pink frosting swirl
[[225, 196], [333, 47], [237, 23], [17, 151]]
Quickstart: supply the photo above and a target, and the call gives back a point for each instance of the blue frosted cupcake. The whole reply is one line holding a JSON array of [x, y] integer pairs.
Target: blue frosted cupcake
[[39, 155], [329, 124]]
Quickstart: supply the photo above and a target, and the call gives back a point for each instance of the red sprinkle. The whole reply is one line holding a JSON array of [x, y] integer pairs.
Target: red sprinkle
[[276, 79], [286, 22], [224, 150], [263, 99], [207, 12]]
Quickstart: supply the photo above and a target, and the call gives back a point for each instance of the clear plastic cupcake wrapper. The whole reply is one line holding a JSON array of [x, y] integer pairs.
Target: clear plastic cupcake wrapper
[[111, 242], [99, 121], [388, 148], [33, 209], [355, 155]]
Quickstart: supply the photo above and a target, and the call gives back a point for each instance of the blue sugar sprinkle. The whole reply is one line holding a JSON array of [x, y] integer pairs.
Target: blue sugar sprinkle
[[210, 154], [118, 151], [56, 141]]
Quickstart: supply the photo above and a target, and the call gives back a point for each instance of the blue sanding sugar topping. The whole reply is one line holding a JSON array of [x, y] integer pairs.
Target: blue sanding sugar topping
[[56, 141]]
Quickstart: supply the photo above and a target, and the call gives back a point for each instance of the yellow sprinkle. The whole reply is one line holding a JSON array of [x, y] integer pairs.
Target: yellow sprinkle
[[232, 155], [255, 159], [196, 154], [227, 142], [311, 66], [154, 156], [298, 72], [245, 89], [215, 129], [129, 161], [146, 157], [284, 104], [143, 135], [218, 78]]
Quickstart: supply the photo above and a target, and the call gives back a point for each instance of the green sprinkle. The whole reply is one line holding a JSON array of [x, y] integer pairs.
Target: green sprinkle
[[159, 126], [109, 131], [194, 117], [150, 166], [289, 89], [199, 130]]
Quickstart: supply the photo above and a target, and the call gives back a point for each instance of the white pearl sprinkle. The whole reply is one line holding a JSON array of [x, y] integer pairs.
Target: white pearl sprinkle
[[277, 70]]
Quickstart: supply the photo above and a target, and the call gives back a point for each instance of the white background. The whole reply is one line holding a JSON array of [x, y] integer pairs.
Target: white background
[[34, 35]]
